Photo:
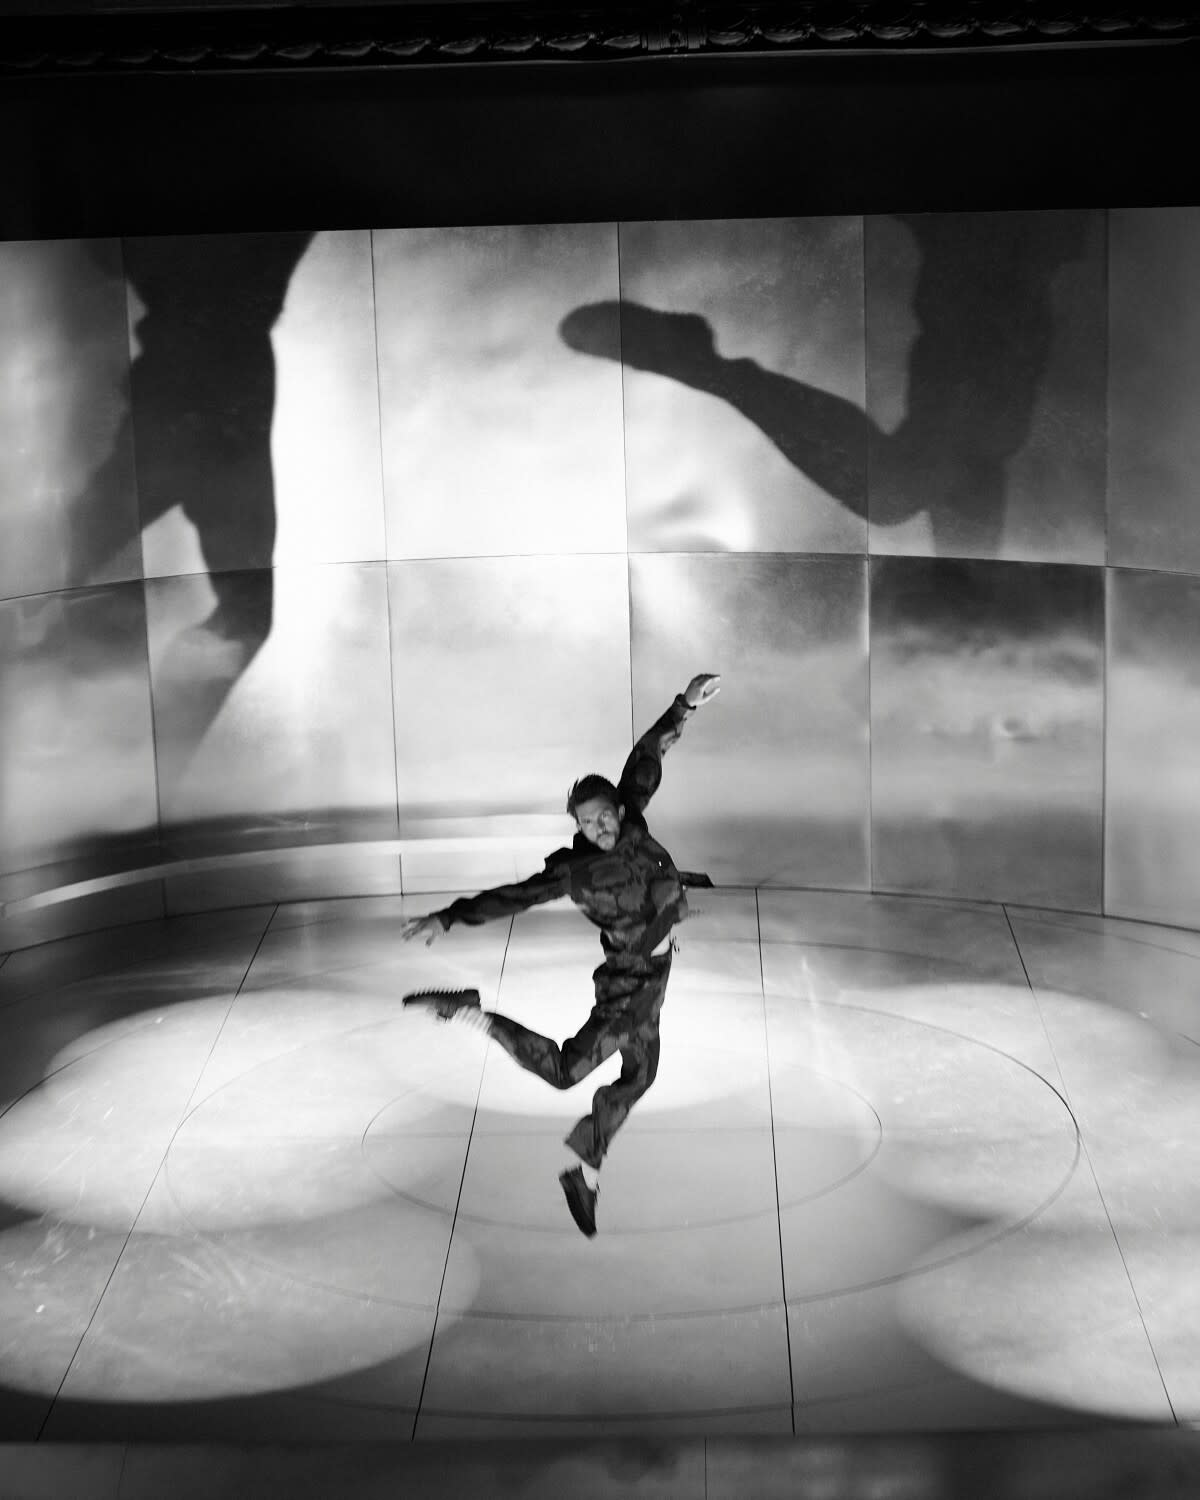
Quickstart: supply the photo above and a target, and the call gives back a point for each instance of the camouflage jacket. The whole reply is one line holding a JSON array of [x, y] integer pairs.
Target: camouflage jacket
[[633, 893]]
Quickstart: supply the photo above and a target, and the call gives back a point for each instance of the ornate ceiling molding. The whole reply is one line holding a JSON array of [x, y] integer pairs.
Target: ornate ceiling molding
[[431, 35]]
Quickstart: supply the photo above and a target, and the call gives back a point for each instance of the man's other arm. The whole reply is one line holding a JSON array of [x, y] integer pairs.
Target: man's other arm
[[643, 770]]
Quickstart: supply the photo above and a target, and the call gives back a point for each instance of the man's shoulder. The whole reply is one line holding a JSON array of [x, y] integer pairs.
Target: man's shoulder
[[568, 857], [649, 845], [635, 831]]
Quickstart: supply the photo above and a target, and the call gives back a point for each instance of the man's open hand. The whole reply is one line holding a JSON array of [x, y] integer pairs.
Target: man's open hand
[[702, 688], [428, 928]]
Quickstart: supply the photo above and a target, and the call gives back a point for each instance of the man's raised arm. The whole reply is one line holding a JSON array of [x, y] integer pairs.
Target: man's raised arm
[[500, 901], [643, 770]]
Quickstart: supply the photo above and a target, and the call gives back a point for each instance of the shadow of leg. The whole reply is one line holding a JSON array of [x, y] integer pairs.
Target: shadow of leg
[[203, 663], [821, 435], [204, 401], [985, 309]]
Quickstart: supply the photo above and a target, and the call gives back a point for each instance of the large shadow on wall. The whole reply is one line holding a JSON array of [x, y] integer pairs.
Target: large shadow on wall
[[202, 404], [983, 306]]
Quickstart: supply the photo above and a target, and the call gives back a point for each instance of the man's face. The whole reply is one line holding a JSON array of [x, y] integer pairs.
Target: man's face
[[599, 821]]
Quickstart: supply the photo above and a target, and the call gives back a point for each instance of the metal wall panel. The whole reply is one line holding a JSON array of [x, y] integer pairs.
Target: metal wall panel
[[204, 379], [116, 908], [68, 506], [76, 743], [511, 680], [1154, 383], [325, 435], [497, 438], [986, 341], [297, 875], [1152, 830], [278, 709], [289, 722], [986, 729], [742, 342], [769, 785]]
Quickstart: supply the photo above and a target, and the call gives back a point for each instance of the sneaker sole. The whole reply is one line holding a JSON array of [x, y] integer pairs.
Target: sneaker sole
[[444, 1003]]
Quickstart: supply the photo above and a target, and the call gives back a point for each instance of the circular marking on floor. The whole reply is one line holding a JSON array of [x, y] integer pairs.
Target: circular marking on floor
[[306, 1169], [844, 1145]]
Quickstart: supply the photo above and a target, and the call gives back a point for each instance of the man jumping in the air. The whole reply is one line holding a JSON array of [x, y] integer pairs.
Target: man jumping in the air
[[627, 884]]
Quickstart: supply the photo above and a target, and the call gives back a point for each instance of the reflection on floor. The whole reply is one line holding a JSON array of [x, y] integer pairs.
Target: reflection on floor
[[908, 1166]]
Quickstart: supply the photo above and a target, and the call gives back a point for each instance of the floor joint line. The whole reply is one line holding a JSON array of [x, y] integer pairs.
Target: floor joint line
[[787, 1327], [1083, 1146], [437, 1310], [108, 1280]]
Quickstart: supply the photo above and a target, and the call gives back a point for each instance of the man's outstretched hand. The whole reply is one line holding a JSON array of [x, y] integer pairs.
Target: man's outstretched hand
[[703, 688], [428, 928]]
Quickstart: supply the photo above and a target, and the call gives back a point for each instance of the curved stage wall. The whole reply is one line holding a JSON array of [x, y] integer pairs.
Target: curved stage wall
[[378, 539]]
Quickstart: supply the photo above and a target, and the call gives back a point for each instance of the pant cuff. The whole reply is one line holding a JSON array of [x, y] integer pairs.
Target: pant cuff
[[583, 1143]]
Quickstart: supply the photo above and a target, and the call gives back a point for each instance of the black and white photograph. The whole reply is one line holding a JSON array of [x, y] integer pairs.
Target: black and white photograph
[[599, 751]]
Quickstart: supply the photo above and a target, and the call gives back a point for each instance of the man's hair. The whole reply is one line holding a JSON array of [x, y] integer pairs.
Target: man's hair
[[591, 786]]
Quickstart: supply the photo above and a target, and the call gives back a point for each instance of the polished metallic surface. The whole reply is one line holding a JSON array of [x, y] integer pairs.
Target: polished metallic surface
[[205, 382], [33, 910], [511, 680], [1152, 822], [298, 680], [68, 505], [295, 875], [742, 343], [498, 439], [107, 909], [769, 784], [986, 384], [472, 853], [1154, 382], [77, 769], [300, 728], [217, 865], [987, 729]]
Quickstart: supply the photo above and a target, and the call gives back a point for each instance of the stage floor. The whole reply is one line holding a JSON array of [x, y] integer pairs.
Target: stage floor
[[909, 1165]]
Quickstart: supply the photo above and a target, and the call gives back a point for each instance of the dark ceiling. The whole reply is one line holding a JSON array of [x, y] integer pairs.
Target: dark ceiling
[[130, 118], [146, 33]]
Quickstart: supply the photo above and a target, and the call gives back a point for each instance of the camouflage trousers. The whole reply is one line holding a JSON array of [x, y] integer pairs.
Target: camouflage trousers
[[624, 1019]]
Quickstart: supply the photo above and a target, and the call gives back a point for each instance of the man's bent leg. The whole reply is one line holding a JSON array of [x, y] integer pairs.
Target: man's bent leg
[[630, 1003], [591, 1137], [562, 1066]]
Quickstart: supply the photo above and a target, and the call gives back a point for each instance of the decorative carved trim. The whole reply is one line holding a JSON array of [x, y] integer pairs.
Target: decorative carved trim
[[448, 35]]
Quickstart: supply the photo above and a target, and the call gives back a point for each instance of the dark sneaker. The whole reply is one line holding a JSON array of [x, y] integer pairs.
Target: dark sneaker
[[444, 1003], [581, 1199]]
